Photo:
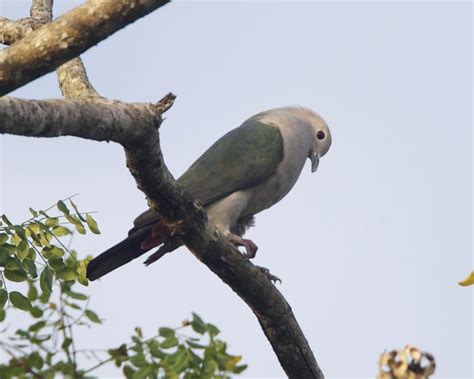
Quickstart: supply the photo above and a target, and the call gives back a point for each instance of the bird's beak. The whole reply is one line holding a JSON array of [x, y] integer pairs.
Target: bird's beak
[[314, 161]]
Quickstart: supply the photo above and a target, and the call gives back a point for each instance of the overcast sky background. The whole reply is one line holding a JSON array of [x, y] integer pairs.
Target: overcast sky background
[[370, 248]]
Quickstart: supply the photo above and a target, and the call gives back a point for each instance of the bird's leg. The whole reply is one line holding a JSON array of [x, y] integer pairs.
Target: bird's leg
[[250, 247], [268, 274]]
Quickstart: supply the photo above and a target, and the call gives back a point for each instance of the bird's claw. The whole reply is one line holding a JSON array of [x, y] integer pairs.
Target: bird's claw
[[250, 247], [268, 274]]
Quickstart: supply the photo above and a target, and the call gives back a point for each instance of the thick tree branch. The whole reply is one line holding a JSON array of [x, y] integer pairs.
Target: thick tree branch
[[190, 222], [107, 120], [135, 127], [67, 37]]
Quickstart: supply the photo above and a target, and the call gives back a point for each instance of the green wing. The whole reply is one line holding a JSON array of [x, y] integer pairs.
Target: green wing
[[240, 159]]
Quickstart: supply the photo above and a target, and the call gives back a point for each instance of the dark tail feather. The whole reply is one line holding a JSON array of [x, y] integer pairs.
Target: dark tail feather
[[118, 255]]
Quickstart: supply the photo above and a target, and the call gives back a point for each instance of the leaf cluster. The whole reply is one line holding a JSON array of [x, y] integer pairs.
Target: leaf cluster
[[173, 355], [39, 275]]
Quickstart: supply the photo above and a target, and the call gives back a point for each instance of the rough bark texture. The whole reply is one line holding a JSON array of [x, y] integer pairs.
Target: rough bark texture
[[67, 37], [73, 81], [105, 120], [135, 126], [11, 31]]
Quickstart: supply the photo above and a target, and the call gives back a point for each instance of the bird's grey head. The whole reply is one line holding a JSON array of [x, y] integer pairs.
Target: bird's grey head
[[319, 134]]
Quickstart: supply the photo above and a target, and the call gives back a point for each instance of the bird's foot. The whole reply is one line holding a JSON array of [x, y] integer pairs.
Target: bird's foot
[[250, 247], [268, 274]]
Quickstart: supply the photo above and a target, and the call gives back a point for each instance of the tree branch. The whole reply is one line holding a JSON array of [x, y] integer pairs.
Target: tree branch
[[12, 31], [67, 37], [42, 10], [73, 81], [105, 120], [135, 127], [189, 221]]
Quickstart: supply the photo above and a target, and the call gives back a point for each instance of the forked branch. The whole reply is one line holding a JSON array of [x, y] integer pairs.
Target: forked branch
[[135, 126]]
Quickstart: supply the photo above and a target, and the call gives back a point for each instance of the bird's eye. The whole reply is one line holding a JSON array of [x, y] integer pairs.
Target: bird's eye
[[320, 135]]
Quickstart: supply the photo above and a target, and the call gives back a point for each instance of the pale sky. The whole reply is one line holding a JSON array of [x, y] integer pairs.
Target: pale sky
[[370, 247]]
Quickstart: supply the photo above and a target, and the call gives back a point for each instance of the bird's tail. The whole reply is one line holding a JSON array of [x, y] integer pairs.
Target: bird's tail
[[118, 255]]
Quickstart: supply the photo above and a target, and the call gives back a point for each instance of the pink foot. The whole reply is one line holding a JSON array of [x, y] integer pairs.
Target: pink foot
[[250, 247]]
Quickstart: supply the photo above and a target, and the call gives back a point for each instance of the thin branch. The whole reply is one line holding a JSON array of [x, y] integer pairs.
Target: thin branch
[[67, 37], [42, 10], [73, 81]]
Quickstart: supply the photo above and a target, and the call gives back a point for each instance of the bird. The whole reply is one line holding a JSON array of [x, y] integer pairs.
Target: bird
[[248, 170]]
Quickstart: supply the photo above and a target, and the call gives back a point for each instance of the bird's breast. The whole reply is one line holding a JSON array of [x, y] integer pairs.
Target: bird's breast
[[273, 189]]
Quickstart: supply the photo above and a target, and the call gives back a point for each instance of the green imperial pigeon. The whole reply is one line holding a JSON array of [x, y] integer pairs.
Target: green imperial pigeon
[[248, 170]]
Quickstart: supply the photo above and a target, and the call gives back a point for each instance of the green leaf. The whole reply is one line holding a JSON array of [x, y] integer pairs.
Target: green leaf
[[210, 366], [91, 315], [44, 238], [143, 372], [35, 360], [155, 351], [77, 223], [181, 361], [56, 264], [198, 325], [82, 271], [20, 231], [169, 342], [15, 239], [73, 305], [128, 371], [52, 252], [32, 292], [166, 332], [3, 298], [9, 248], [37, 326], [3, 314], [15, 275], [46, 280], [138, 360], [51, 221], [3, 238], [92, 224], [31, 254], [212, 330], [80, 228], [77, 295], [67, 342], [239, 369], [31, 268], [36, 312], [33, 212], [195, 345], [22, 249], [60, 231], [4, 256], [6, 220], [62, 207], [66, 274], [19, 301]]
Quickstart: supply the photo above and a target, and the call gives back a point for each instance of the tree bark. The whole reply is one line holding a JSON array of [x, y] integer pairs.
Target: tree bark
[[67, 37], [135, 126]]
